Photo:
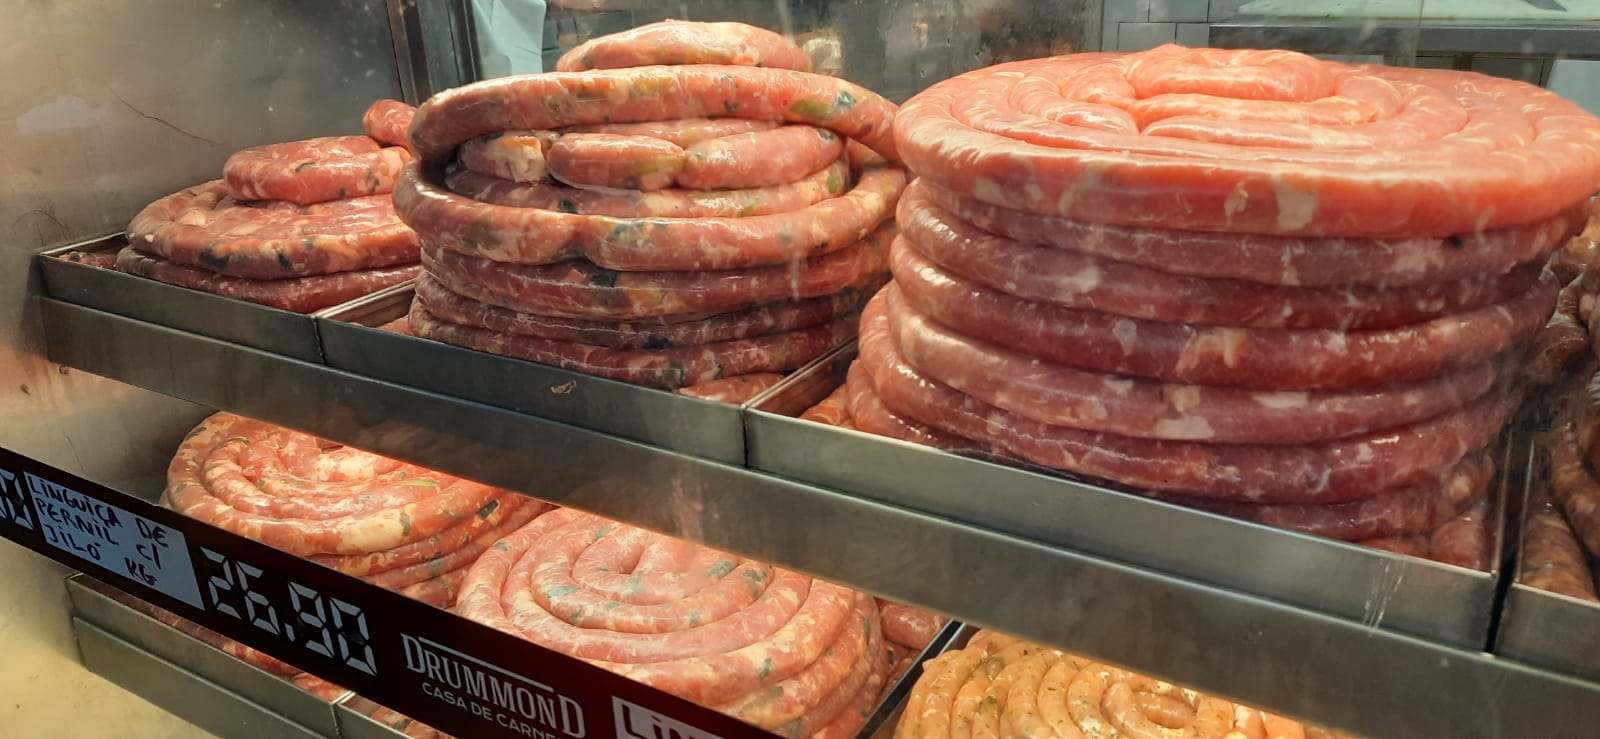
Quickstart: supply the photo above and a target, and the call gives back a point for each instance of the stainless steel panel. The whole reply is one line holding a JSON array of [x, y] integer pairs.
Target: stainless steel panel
[[93, 602], [193, 698], [669, 420], [1370, 680], [1375, 588], [251, 324], [1550, 630], [108, 106]]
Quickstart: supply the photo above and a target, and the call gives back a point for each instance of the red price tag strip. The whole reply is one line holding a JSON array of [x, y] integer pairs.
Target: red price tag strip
[[456, 675]]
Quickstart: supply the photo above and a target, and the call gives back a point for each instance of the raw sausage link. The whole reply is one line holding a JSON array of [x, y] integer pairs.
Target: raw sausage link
[[297, 294], [1063, 396], [1562, 339], [769, 646], [667, 369], [1280, 359], [752, 159], [406, 726], [869, 414], [1575, 488], [389, 122], [283, 489], [202, 226], [675, 42], [1328, 472], [759, 158], [807, 190], [547, 102], [315, 170], [1416, 509], [1253, 141], [1464, 540], [1401, 261], [834, 410], [582, 289], [735, 390], [908, 626], [1077, 279], [998, 686], [1551, 557], [762, 320], [534, 236], [521, 156], [518, 156]]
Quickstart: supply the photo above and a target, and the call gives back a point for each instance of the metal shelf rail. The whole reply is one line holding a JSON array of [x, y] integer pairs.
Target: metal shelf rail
[[1357, 676]]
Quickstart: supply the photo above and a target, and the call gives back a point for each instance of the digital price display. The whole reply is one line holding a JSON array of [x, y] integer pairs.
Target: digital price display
[[458, 676]]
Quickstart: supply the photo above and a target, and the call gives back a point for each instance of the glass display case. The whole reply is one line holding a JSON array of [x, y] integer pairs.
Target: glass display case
[[842, 368]]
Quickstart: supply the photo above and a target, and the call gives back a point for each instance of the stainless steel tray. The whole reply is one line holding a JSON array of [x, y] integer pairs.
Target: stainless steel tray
[[351, 341], [1446, 603], [356, 722], [137, 636], [249, 324]]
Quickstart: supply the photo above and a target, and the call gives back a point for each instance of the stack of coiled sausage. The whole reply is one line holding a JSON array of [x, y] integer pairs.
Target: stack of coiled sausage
[[298, 226], [774, 648], [723, 216], [1288, 290], [999, 686], [392, 524]]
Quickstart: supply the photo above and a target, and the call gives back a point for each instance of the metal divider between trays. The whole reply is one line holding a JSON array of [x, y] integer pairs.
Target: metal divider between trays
[[1537, 626], [1450, 604]]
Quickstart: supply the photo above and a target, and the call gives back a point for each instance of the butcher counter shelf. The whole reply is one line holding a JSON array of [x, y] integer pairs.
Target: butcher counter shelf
[[1355, 670]]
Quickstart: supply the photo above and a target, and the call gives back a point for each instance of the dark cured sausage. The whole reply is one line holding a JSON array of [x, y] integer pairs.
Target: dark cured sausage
[[1081, 280], [1551, 557], [388, 121], [675, 42], [761, 320], [534, 236], [771, 647], [1254, 141], [809, 189], [1402, 261], [759, 158], [667, 369], [298, 294], [314, 170], [734, 390], [1329, 472], [1282, 359], [1574, 487], [1562, 339], [581, 289], [1065, 396], [202, 226], [547, 102]]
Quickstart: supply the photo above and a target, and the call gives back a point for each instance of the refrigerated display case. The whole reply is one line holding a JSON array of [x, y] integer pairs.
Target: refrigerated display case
[[108, 373]]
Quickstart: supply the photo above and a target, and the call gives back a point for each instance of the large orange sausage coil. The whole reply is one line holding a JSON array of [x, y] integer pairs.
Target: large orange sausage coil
[[774, 648]]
